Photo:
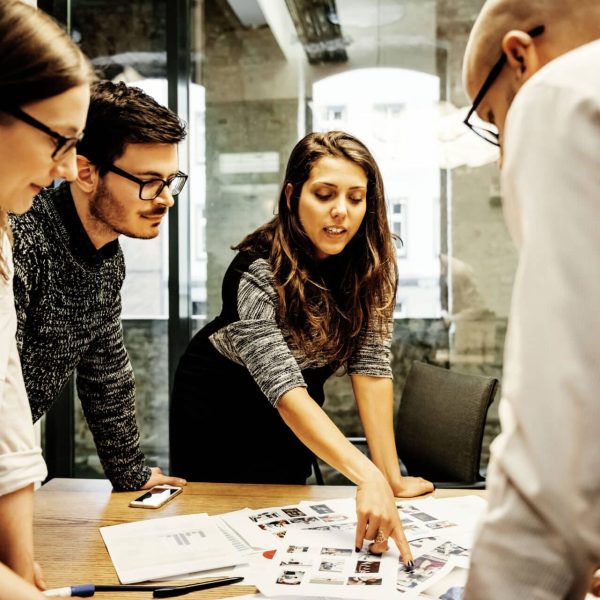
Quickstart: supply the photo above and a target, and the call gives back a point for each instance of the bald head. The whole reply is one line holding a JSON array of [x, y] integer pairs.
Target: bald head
[[568, 24]]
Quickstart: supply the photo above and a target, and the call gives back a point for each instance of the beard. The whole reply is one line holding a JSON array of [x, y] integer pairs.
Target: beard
[[115, 216]]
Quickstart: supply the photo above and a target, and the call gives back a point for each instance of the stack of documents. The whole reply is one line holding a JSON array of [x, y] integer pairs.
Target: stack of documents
[[166, 547]]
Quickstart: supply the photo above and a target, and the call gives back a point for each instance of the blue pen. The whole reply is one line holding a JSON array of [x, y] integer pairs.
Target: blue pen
[[88, 589], [159, 591], [83, 591]]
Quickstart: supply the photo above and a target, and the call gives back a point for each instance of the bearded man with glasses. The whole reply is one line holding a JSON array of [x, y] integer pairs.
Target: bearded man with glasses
[[532, 68], [69, 267]]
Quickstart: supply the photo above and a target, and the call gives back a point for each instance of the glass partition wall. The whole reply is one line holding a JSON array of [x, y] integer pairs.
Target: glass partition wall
[[146, 44], [253, 76]]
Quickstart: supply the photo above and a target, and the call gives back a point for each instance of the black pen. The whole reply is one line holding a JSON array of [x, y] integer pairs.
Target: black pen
[[159, 591], [179, 590]]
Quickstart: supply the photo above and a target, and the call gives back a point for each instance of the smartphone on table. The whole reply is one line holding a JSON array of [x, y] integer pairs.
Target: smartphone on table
[[155, 497]]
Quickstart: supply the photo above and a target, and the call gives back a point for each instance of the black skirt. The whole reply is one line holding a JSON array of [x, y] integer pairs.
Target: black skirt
[[223, 428]]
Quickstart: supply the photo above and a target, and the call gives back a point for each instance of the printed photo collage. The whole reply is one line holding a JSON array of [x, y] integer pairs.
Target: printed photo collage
[[434, 555], [314, 556], [318, 516], [325, 564], [264, 528], [434, 558]]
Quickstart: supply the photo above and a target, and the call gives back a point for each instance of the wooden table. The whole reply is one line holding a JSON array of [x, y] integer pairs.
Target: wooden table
[[68, 513]]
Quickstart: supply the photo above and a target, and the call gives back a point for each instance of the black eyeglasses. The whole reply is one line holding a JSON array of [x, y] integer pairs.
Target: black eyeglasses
[[152, 188], [63, 144], [490, 135]]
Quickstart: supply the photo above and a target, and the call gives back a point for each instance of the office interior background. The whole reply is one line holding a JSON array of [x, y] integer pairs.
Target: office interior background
[[251, 77]]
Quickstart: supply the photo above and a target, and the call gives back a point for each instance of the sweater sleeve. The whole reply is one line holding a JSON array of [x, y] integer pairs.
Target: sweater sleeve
[[256, 339], [373, 357], [106, 388], [28, 268]]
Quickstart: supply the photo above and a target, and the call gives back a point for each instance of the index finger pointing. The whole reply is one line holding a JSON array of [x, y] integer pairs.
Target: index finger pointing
[[405, 552]]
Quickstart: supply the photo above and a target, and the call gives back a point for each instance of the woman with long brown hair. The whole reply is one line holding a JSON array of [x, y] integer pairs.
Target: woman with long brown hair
[[44, 95], [309, 292]]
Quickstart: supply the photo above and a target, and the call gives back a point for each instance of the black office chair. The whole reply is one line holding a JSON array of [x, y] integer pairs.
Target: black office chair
[[439, 432], [440, 425]]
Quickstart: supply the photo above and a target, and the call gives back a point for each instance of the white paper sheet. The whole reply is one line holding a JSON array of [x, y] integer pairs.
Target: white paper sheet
[[165, 547], [440, 516]]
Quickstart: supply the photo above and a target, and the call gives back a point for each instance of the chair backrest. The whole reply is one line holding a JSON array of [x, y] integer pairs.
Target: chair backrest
[[441, 420]]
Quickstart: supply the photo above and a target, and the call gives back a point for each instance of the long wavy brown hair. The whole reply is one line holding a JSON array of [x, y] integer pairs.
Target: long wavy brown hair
[[38, 60], [319, 323]]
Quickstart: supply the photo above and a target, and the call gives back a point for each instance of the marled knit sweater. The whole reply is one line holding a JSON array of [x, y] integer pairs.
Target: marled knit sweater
[[68, 302]]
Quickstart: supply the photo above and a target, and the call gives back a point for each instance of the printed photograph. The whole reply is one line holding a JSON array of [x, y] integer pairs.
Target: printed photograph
[[408, 508], [304, 520], [333, 518], [293, 512], [423, 516], [296, 562], [321, 509], [274, 525], [333, 566], [362, 556], [451, 549], [367, 566], [337, 551], [425, 567], [420, 542], [290, 577], [440, 524], [264, 516], [294, 549], [363, 580]]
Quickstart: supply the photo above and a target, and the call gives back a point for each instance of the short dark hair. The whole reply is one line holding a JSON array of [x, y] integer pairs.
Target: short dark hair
[[120, 115]]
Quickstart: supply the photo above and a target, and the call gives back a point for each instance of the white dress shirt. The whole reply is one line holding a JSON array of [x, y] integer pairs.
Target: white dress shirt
[[542, 529], [21, 461]]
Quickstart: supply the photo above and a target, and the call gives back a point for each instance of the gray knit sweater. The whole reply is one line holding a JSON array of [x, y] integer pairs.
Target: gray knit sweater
[[68, 302]]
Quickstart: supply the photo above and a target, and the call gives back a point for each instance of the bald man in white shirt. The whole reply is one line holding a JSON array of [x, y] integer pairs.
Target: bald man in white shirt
[[532, 68]]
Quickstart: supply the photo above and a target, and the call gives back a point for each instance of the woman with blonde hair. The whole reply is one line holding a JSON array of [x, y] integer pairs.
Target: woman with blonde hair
[[309, 292], [44, 96]]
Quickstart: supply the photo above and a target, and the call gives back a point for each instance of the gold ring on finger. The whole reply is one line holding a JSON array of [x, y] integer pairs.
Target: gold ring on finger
[[380, 537]]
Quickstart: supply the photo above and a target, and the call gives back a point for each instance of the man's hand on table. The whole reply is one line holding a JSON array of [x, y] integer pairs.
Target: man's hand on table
[[159, 478]]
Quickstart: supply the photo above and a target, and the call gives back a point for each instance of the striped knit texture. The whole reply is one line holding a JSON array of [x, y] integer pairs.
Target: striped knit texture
[[266, 348], [69, 311]]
